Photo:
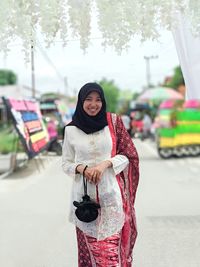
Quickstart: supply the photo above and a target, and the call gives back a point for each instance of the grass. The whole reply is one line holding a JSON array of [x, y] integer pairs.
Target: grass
[[8, 140]]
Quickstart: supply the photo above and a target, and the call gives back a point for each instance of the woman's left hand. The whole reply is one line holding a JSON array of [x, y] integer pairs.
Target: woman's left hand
[[98, 171]]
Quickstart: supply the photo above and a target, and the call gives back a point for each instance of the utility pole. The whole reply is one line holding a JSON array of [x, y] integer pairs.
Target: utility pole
[[32, 70], [148, 72], [65, 85]]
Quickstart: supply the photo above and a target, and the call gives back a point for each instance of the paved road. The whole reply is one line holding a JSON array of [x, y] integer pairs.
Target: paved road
[[168, 211], [34, 231]]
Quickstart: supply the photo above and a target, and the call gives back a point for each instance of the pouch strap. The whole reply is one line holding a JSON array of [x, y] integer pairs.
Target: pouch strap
[[85, 181]]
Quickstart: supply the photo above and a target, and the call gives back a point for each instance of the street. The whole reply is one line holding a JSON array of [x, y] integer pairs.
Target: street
[[35, 232], [168, 211]]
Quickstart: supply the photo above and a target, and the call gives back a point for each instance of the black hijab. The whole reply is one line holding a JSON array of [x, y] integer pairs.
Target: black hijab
[[80, 119]]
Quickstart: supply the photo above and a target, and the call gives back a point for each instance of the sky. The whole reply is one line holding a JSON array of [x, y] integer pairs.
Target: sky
[[128, 70]]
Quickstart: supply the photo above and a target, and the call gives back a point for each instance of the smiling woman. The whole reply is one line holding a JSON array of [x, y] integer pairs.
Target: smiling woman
[[97, 147]]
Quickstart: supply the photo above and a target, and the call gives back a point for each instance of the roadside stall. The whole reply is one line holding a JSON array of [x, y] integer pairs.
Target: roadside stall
[[28, 123]]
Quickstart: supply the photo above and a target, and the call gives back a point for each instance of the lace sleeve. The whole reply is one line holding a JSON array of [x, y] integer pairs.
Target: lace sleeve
[[68, 157], [119, 163]]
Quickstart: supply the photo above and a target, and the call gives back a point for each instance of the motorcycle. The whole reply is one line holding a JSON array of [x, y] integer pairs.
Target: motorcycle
[[55, 146]]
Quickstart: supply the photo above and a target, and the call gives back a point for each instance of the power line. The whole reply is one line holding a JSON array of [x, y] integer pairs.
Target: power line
[[49, 60], [148, 72]]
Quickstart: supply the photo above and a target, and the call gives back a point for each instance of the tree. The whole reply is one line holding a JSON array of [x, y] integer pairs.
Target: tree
[[125, 96], [7, 77], [135, 95], [111, 92], [177, 79]]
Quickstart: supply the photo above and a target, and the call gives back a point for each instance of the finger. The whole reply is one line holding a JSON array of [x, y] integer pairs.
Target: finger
[[89, 175], [94, 177], [98, 178], [95, 181], [90, 178]]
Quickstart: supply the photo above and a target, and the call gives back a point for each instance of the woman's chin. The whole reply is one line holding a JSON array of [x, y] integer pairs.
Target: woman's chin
[[92, 114]]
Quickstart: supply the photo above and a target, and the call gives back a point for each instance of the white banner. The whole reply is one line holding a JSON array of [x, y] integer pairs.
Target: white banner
[[188, 50]]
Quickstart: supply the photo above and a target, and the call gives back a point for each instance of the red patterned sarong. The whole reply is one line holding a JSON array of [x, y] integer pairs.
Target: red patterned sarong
[[103, 253]]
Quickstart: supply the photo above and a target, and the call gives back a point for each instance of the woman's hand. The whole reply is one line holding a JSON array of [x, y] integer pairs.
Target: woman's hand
[[90, 173], [94, 174]]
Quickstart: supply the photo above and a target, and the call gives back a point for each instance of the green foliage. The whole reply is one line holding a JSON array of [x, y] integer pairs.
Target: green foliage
[[135, 95], [7, 77], [125, 96], [8, 140], [177, 78], [123, 108], [111, 92]]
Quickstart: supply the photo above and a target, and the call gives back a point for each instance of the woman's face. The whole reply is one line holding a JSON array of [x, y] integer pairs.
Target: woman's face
[[92, 104]]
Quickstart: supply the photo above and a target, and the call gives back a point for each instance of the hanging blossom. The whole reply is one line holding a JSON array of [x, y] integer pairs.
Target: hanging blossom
[[118, 21], [193, 13], [80, 20]]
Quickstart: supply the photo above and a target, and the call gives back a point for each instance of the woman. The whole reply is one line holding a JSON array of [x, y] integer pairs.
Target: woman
[[100, 141]]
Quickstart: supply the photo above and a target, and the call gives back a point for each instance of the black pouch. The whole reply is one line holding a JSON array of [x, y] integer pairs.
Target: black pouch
[[87, 209]]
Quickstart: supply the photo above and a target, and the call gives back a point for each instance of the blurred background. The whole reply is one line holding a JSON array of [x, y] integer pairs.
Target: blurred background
[[144, 80]]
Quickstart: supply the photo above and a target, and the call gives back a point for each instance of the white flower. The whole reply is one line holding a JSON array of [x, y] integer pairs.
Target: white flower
[[118, 21]]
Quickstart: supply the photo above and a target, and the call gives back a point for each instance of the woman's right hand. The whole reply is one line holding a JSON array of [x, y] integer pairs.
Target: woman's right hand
[[89, 173], [92, 175], [95, 173]]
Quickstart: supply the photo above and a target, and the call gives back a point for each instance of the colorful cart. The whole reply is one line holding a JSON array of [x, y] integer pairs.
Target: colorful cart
[[182, 136]]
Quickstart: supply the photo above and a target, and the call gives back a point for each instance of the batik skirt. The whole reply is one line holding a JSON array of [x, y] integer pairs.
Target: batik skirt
[[93, 253]]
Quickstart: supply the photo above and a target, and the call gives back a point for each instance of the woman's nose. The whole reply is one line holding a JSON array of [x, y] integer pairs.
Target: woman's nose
[[93, 103]]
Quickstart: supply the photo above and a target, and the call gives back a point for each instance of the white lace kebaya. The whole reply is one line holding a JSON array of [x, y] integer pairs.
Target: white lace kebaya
[[91, 149]]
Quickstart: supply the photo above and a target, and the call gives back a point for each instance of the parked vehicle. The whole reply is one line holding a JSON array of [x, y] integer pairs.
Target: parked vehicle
[[137, 122], [54, 144]]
